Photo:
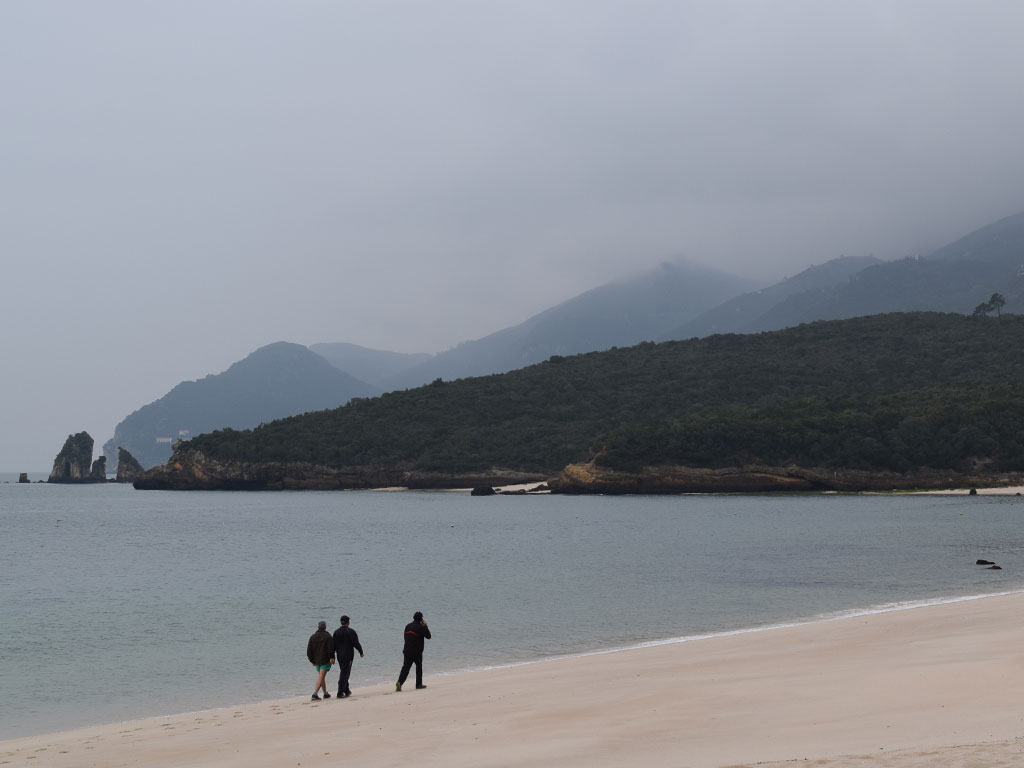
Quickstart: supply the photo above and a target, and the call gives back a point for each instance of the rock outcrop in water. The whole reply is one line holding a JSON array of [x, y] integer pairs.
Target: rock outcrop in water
[[593, 479], [192, 470], [128, 467], [23, 477], [74, 463]]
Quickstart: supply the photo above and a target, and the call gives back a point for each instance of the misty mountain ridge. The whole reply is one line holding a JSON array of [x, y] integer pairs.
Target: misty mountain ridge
[[619, 313], [955, 278], [373, 366], [277, 380], [744, 314]]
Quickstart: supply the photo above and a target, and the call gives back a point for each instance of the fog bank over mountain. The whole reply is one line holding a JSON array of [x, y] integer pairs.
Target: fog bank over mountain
[[184, 183]]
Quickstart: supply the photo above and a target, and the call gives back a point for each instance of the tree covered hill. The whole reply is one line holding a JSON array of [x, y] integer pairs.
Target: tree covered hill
[[277, 380], [887, 392]]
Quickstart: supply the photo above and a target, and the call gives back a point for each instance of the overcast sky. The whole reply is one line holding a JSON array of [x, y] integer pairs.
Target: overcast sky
[[184, 182]]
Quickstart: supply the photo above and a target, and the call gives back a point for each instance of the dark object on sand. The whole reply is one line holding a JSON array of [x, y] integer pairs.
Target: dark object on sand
[[984, 562], [483, 490], [973, 492]]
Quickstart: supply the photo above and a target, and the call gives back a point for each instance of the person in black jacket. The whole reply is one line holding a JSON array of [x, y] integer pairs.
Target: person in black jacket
[[416, 632], [345, 640], [320, 652]]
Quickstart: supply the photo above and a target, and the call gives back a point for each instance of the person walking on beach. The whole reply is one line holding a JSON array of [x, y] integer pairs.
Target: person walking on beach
[[416, 632], [320, 652], [346, 642]]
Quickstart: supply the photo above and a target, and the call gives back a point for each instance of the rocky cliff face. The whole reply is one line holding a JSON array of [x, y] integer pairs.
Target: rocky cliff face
[[74, 462], [128, 467], [192, 470], [590, 478], [98, 473]]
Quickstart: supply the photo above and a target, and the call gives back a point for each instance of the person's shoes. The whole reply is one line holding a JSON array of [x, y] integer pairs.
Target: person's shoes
[[348, 693], [342, 695], [327, 695], [420, 686], [315, 697], [398, 687]]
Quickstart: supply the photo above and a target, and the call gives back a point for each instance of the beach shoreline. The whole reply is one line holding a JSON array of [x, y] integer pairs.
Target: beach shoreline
[[907, 686]]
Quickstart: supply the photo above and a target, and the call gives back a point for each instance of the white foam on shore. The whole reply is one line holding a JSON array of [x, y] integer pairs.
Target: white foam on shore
[[821, 618]]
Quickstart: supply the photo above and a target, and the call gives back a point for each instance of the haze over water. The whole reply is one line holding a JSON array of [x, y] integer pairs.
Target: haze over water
[[118, 604]]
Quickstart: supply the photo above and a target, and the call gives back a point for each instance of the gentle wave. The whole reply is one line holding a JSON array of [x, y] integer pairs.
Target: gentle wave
[[819, 619]]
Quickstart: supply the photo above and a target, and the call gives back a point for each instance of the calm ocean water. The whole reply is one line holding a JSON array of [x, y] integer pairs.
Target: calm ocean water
[[118, 604]]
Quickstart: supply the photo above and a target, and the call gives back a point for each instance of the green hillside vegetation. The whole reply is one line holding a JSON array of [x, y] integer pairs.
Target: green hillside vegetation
[[891, 392]]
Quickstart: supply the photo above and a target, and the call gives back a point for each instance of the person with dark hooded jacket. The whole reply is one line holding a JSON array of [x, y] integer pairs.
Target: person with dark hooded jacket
[[416, 632], [320, 652], [346, 642]]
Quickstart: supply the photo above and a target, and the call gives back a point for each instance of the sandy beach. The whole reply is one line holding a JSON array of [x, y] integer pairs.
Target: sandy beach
[[932, 686]]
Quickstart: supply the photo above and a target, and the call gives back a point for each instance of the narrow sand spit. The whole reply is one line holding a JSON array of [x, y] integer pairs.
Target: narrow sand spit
[[935, 686]]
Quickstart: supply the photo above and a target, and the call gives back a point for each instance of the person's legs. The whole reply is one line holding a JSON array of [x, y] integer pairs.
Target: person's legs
[[321, 681], [419, 670], [406, 664], [344, 670]]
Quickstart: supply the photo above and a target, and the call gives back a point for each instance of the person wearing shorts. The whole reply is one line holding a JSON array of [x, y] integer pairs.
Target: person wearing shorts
[[320, 652]]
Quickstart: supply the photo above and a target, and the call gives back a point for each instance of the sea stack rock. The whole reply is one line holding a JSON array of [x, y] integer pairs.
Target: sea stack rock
[[128, 467], [74, 462], [23, 477], [98, 473]]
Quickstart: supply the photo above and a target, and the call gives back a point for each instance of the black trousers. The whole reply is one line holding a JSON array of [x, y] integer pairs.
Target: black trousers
[[410, 659], [344, 670]]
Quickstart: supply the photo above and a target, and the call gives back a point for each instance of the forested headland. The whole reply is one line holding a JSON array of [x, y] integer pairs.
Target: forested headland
[[891, 393]]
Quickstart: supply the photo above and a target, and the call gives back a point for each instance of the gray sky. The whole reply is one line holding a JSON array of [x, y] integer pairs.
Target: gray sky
[[183, 182]]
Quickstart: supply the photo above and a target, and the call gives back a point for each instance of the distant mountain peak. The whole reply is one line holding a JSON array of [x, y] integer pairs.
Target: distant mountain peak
[[276, 380]]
